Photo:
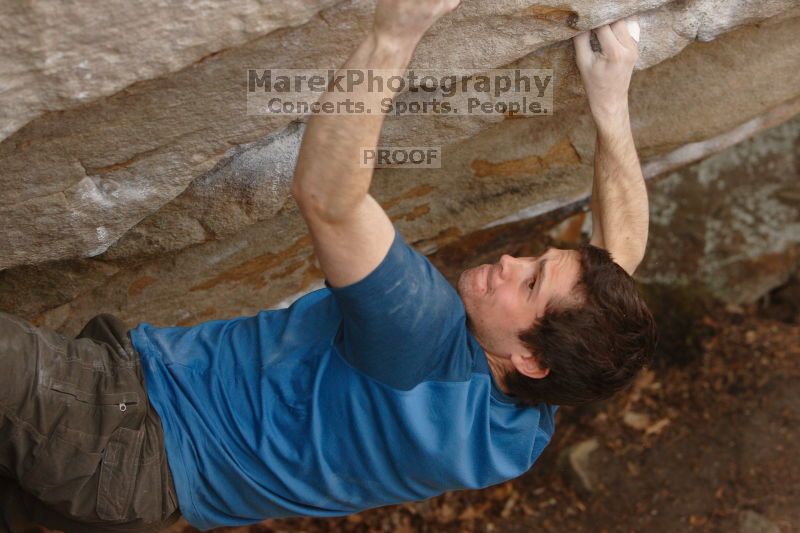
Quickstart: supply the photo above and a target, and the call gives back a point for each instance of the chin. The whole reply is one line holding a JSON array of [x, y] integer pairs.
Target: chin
[[465, 293], [461, 283]]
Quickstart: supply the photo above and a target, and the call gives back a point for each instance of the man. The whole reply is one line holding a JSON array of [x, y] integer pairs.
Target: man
[[385, 386]]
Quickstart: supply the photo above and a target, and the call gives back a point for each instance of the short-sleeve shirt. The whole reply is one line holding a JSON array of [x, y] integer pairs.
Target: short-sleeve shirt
[[351, 398]]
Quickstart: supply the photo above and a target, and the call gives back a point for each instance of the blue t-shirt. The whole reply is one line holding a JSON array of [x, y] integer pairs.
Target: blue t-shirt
[[356, 397]]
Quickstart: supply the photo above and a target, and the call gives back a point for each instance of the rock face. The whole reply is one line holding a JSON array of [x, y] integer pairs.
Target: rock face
[[135, 183], [59, 55], [736, 228]]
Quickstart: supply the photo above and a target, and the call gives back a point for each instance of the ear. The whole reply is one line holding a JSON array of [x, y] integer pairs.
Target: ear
[[528, 365]]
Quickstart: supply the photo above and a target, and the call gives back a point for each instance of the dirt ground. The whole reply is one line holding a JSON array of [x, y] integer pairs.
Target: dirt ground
[[707, 440]]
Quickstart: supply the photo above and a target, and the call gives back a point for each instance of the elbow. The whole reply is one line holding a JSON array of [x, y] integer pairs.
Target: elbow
[[632, 264], [628, 254], [306, 200], [319, 207], [634, 261], [309, 203], [628, 264]]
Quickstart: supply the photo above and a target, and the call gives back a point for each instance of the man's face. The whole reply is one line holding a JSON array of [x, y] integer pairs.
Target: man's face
[[506, 297]]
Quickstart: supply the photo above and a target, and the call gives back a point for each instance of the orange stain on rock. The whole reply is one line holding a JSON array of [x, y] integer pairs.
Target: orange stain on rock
[[416, 192], [135, 288], [442, 238], [562, 153], [252, 271], [414, 213], [291, 267], [557, 14], [312, 274]]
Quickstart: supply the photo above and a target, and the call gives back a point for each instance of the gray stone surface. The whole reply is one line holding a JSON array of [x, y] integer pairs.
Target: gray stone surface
[[60, 55], [732, 222]]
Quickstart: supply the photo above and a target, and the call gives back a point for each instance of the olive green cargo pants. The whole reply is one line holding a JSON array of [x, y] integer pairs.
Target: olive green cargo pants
[[81, 448]]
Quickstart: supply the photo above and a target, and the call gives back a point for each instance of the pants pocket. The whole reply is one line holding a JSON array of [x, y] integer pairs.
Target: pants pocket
[[118, 473], [121, 399], [61, 471]]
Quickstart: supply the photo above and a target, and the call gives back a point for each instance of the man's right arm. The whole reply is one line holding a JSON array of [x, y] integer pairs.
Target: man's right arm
[[619, 205]]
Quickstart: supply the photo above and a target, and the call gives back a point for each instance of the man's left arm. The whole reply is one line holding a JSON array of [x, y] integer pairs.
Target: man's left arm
[[619, 203], [350, 231]]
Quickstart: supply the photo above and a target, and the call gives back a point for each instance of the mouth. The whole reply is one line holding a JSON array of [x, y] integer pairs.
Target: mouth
[[490, 269], [482, 278]]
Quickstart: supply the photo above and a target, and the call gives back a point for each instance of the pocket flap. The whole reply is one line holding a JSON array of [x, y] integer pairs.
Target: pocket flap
[[114, 398], [118, 473]]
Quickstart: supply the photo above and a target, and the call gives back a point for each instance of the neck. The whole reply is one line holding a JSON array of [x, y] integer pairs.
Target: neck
[[498, 368]]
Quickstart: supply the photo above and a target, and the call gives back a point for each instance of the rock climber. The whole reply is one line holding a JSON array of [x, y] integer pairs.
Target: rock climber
[[387, 385]]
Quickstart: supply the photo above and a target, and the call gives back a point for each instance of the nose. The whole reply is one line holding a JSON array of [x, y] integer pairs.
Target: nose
[[506, 264]]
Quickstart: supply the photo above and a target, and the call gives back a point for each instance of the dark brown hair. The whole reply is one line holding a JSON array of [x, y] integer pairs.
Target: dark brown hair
[[594, 347]]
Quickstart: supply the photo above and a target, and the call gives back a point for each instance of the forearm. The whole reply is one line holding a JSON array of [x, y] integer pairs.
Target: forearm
[[619, 197], [328, 177], [620, 214]]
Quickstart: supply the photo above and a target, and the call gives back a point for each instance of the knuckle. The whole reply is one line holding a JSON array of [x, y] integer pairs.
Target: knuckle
[[613, 55]]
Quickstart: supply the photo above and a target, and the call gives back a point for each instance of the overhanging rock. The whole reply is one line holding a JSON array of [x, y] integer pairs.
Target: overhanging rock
[[143, 196]]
